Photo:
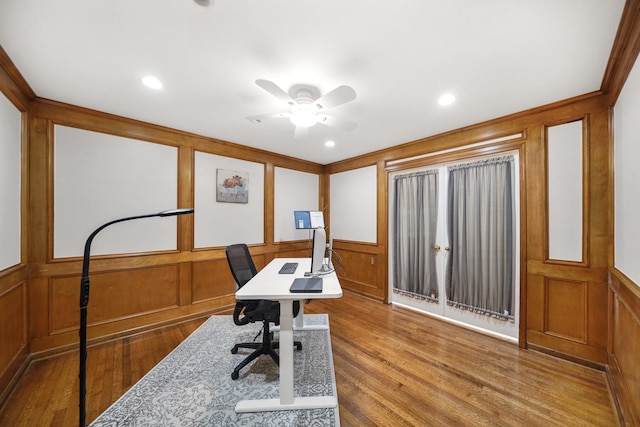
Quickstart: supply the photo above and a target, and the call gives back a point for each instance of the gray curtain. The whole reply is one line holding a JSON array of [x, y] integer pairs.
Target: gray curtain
[[416, 219], [481, 237]]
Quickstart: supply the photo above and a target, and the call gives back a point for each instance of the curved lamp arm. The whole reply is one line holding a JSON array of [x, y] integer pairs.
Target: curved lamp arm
[[84, 290], [84, 300]]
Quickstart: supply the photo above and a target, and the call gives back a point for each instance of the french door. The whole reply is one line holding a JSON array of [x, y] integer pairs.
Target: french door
[[427, 207]]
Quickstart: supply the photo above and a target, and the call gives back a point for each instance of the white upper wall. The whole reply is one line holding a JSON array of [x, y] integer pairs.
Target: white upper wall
[[564, 156], [294, 191], [99, 178], [627, 177], [223, 223], [10, 129], [354, 205]]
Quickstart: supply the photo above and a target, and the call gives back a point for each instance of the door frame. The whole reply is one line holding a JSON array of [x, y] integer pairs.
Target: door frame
[[512, 144]]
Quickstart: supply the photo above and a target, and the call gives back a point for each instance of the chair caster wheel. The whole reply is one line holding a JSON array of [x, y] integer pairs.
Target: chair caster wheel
[[235, 375], [234, 350], [299, 346]]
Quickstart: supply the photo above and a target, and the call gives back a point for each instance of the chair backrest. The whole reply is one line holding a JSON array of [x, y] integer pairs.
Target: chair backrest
[[243, 269], [240, 263]]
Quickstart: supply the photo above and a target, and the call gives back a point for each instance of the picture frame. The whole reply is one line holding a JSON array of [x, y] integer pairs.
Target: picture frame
[[232, 186]]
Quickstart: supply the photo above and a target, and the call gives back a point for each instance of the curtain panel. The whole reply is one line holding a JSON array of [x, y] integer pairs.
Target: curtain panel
[[416, 219], [480, 227]]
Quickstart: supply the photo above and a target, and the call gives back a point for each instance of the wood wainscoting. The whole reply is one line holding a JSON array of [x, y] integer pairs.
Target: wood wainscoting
[[148, 292], [358, 267], [624, 346], [14, 321]]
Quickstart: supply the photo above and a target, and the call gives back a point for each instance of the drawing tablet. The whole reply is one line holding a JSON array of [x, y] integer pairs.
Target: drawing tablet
[[307, 284]]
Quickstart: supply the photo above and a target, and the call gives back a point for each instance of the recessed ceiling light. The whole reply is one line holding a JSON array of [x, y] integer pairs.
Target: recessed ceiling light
[[447, 99], [329, 144], [152, 82], [204, 3]]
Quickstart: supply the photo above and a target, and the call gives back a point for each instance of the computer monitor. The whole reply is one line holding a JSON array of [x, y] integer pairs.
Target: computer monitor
[[317, 251], [317, 219], [302, 219], [308, 219]]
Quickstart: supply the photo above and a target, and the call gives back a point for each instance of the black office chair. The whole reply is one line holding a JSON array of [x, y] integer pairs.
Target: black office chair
[[251, 311]]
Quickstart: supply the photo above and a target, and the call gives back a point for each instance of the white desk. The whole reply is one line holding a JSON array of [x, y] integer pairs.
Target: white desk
[[269, 284]]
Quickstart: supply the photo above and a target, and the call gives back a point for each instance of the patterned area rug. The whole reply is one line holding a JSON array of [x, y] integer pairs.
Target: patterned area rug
[[192, 386]]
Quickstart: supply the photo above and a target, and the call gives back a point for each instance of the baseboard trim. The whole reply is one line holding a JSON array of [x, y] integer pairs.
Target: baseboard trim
[[567, 357]]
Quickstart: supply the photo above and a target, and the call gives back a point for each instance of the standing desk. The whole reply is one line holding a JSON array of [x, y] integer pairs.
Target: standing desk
[[269, 284]]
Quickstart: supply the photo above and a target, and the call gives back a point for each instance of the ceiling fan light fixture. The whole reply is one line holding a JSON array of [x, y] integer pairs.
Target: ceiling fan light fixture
[[307, 105], [303, 115]]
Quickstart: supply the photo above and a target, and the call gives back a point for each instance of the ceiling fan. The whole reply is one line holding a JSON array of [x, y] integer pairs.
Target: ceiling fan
[[306, 109]]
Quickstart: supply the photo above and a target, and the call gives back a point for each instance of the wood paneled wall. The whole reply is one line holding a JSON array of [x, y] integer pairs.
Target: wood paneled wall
[[14, 324], [360, 272], [14, 281], [624, 346], [563, 307], [133, 292]]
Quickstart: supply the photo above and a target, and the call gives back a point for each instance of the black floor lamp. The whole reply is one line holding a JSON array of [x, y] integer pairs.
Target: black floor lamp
[[84, 301]]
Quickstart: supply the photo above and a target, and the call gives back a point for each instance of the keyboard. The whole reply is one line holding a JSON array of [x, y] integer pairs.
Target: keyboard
[[288, 268]]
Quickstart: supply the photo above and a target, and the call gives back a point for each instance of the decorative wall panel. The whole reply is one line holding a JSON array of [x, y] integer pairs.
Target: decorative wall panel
[[10, 183], [565, 177], [566, 309], [13, 327], [114, 296], [624, 346], [294, 190], [100, 178], [211, 280], [220, 224]]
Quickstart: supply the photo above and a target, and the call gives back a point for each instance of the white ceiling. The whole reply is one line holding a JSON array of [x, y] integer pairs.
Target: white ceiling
[[497, 56]]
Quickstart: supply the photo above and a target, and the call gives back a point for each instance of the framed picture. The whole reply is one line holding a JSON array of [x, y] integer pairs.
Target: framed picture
[[232, 186]]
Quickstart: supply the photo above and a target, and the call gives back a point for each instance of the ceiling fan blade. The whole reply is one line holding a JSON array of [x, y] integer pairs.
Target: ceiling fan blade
[[260, 117], [275, 90], [301, 132], [338, 96], [336, 122]]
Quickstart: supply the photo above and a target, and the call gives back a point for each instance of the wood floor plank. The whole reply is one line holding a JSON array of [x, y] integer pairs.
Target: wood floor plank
[[393, 367], [466, 378]]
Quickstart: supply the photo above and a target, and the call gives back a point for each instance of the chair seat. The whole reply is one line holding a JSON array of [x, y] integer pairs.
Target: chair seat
[[256, 311]]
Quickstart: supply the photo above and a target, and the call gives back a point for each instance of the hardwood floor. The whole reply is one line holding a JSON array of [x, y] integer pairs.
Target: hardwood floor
[[393, 367]]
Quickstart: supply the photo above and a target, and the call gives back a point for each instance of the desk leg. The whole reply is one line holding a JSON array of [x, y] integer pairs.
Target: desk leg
[[286, 401], [286, 352], [298, 321]]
